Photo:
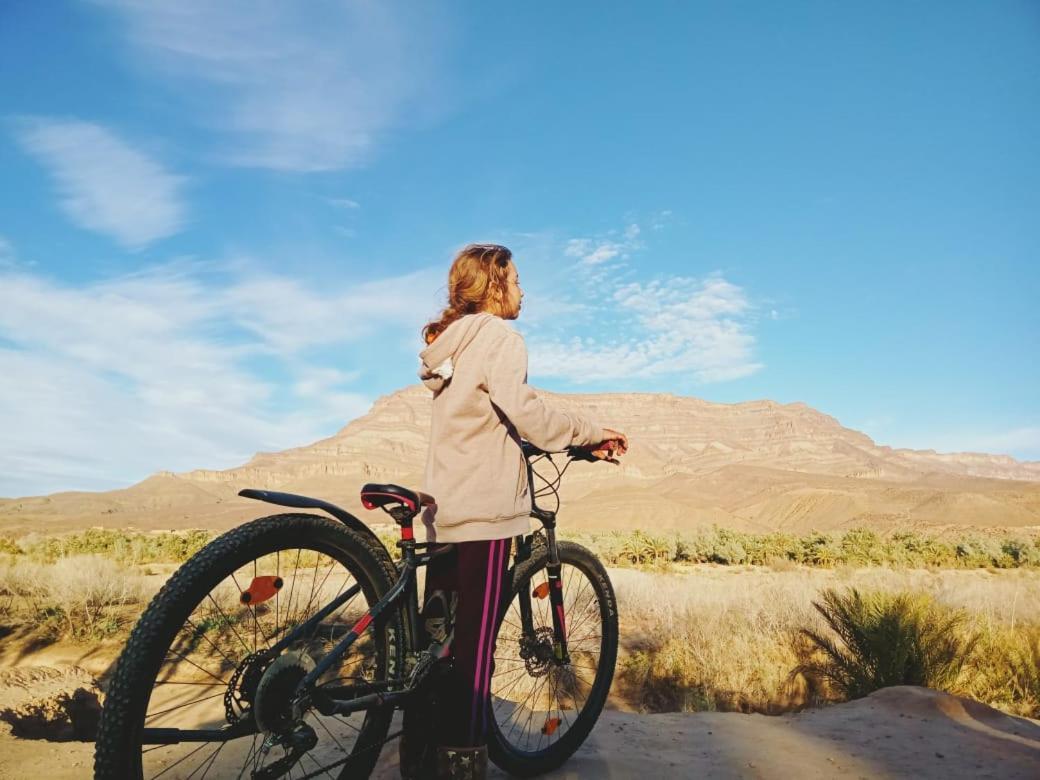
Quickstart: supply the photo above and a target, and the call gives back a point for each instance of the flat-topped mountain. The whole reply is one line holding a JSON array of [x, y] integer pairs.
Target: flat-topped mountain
[[756, 465]]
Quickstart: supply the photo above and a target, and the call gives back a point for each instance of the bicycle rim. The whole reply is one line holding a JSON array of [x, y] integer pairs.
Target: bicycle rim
[[541, 711]]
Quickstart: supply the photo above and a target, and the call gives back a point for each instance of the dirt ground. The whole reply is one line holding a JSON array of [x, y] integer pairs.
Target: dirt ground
[[895, 733]]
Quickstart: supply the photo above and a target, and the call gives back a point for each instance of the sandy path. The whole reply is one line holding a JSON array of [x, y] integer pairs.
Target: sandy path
[[897, 732]]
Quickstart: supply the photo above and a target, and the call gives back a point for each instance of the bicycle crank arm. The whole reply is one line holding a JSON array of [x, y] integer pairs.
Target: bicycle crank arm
[[371, 701]]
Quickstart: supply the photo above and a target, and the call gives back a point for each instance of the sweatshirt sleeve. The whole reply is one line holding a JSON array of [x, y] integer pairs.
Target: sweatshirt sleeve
[[545, 427]]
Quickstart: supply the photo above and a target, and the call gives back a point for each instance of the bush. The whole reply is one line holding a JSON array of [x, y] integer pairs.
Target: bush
[[642, 548], [883, 639], [79, 595], [978, 552], [9, 547], [128, 547], [820, 550], [1021, 552], [861, 546], [1005, 670], [1024, 664]]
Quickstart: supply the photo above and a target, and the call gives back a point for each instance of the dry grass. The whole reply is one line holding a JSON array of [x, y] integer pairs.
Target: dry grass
[[82, 596], [694, 636], [726, 638]]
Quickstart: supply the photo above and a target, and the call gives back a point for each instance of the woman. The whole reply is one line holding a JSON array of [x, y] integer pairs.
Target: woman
[[476, 366]]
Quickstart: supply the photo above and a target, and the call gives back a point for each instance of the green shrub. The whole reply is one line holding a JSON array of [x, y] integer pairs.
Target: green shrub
[[642, 548], [1021, 552], [978, 552], [883, 639], [729, 551], [820, 550], [768, 548], [861, 546]]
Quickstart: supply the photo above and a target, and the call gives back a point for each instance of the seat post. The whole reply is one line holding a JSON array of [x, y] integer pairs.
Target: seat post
[[403, 516]]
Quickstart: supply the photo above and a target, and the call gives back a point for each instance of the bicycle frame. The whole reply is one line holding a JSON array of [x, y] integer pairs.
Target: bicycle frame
[[393, 691], [415, 555]]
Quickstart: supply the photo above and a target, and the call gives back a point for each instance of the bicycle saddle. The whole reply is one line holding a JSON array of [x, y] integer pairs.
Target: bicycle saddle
[[373, 495]]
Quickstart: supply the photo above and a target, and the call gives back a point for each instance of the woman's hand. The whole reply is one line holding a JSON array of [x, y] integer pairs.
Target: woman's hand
[[616, 443]]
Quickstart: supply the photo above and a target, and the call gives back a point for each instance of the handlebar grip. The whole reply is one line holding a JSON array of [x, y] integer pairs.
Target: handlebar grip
[[574, 453], [579, 453]]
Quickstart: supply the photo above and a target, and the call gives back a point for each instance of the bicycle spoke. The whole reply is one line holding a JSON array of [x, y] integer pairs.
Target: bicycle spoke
[[202, 633], [204, 671], [228, 622], [249, 755], [208, 764], [179, 706], [182, 758], [535, 701], [320, 767], [319, 722]]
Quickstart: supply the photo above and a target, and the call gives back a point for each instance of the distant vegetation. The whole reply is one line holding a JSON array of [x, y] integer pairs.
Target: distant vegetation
[[855, 547], [127, 547]]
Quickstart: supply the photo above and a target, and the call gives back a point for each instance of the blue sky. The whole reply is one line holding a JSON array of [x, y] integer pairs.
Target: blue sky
[[222, 224]]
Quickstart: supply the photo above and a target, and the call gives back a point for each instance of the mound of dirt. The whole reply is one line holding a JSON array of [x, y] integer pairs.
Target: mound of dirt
[[40, 702], [900, 732]]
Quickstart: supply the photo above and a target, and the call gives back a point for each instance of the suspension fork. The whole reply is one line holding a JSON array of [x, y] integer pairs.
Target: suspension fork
[[555, 582], [552, 569]]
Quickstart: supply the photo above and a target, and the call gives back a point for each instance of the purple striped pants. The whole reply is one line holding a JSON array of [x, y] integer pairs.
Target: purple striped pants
[[476, 572]]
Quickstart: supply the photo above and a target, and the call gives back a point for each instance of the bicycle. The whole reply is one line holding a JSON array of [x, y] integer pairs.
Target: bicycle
[[314, 692]]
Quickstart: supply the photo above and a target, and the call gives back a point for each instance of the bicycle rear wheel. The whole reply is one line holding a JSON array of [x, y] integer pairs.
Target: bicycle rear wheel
[[541, 709], [196, 661]]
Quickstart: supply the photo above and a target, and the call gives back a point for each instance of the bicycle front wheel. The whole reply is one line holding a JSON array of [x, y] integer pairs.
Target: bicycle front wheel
[[199, 665], [541, 708]]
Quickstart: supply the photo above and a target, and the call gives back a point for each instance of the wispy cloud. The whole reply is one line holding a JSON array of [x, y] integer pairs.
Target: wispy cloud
[[666, 326], [344, 203], [299, 87], [8, 257], [104, 184], [171, 369]]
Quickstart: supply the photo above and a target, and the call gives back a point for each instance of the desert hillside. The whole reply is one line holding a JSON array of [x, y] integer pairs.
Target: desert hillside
[[758, 465]]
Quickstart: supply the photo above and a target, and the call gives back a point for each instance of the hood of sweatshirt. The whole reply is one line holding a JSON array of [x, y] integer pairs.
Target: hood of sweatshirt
[[438, 359]]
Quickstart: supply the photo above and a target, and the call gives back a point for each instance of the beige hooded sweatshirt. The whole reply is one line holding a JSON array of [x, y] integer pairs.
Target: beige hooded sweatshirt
[[482, 407]]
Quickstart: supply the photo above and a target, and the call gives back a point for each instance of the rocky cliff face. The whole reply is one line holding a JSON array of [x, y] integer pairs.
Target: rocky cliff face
[[757, 464], [670, 435]]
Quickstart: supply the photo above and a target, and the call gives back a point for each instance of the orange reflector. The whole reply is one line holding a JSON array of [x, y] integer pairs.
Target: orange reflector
[[261, 589], [542, 590], [551, 724]]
